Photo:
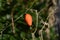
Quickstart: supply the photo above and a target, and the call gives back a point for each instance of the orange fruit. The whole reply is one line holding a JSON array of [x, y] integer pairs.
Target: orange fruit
[[28, 19]]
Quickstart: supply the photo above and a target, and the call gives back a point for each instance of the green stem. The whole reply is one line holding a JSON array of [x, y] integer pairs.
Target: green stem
[[33, 36], [36, 21]]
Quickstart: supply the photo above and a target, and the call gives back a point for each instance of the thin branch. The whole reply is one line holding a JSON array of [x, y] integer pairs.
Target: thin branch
[[36, 21], [43, 28], [33, 36], [12, 18], [41, 35], [13, 28]]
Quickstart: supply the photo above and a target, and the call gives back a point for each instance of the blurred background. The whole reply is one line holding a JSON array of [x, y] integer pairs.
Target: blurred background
[[45, 20]]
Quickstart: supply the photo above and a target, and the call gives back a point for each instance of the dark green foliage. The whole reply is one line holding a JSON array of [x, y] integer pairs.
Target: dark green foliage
[[19, 8]]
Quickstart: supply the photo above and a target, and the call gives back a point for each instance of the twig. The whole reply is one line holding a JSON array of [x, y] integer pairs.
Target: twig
[[33, 36], [41, 35], [13, 28], [41, 32], [12, 18], [36, 21], [42, 27]]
